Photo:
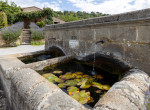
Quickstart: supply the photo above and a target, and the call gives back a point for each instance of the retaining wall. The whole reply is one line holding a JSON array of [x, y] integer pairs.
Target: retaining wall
[[1, 41], [27, 90]]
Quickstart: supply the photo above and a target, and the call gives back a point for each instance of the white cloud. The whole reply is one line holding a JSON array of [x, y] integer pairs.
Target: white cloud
[[27, 3], [111, 6]]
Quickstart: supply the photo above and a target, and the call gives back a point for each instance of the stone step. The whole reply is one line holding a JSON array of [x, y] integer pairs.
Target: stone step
[[26, 34], [29, 41], [26, 37], [24, 43]]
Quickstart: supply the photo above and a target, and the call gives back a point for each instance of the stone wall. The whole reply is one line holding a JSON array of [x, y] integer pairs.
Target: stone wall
[[125, 36], [1, 41], [27, 90]]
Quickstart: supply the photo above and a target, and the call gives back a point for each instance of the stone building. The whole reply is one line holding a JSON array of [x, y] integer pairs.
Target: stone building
[[57, 20], [26, 20], [33, 9]]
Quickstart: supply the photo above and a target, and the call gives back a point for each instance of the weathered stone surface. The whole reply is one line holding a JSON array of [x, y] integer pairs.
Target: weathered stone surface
[[127, 94], [8, 63], [27, 90], [126, 35], [62, 102], [143, 33], [129, 16], [3, 101], [41, 64], [1, 40]]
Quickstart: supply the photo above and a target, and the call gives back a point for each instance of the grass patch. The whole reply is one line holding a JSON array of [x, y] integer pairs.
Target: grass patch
[[36, 43]]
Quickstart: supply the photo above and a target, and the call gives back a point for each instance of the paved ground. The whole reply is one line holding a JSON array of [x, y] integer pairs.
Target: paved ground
[[20, 49]]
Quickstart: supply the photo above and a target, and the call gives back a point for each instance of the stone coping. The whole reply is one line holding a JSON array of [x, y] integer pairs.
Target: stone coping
[[123, 17], [28, 90], [41, 64]]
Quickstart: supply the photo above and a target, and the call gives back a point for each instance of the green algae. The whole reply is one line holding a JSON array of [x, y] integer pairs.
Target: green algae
[[80, 85]]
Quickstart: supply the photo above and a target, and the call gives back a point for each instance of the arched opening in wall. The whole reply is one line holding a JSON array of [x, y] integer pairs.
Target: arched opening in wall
[[56, 51], [109, 64]]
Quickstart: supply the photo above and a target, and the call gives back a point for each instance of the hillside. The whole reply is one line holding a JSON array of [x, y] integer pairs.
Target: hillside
[[73, 16]]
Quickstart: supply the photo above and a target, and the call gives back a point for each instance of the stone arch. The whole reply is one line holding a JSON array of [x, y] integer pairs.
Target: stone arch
[[56, 51], [109, 63]]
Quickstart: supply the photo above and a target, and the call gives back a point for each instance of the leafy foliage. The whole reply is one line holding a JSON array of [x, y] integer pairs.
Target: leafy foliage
[[14, 13], [10, 10], [37, 14], [12, 33], [41, 24], [3, 20], [36, 43], [73, 16]]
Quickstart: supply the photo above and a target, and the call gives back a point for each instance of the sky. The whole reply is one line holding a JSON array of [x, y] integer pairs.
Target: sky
[[104, 6]]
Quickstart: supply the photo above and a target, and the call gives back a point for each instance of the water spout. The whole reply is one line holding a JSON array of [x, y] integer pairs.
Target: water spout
[[52, 38], [101, 41]]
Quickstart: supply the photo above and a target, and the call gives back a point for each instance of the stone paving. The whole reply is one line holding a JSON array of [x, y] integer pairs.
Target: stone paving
[[20, 49]]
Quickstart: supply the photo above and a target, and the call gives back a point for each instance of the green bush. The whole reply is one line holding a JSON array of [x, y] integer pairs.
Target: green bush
[[3, 20], [41, 24], [12, 33], [37, 33], [36, 43], [14, 13]]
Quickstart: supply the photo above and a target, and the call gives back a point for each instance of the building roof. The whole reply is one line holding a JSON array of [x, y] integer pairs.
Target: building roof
[[30, 9], [58, 20]]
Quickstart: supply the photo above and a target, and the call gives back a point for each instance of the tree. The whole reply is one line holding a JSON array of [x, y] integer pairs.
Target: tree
[[3, 20], [73, 16], [10, 10]]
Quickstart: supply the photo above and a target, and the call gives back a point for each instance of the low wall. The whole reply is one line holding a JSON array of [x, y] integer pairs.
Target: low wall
[[27, 90], [1, 41], [41, 64]]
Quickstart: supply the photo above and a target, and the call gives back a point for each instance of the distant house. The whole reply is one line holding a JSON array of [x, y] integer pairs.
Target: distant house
[[30, 9], [28, 21], [57, 20], [33, 9]]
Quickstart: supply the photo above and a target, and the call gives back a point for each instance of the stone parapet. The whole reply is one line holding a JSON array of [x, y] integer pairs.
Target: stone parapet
[[123, 17]]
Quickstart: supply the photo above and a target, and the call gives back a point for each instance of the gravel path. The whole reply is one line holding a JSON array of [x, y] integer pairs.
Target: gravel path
[[20, 49]]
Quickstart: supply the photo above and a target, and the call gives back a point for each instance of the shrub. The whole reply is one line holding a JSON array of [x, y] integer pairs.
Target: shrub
[[12, 33], [36, 43], [3, 20], [36, 32], [41, 24]]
